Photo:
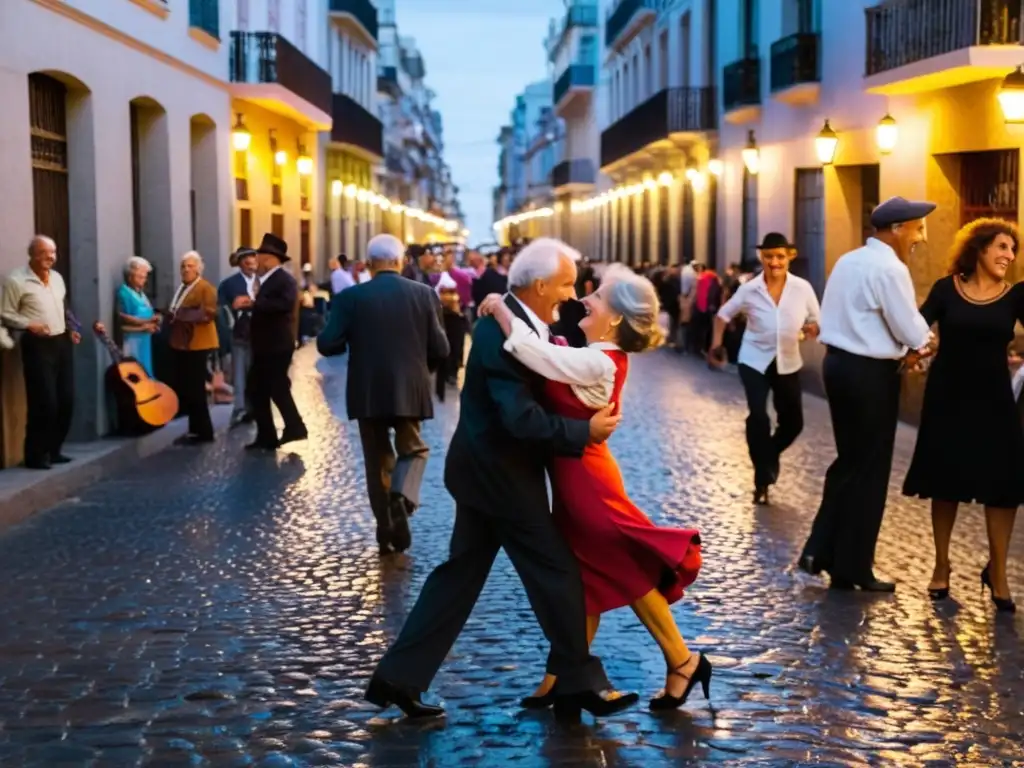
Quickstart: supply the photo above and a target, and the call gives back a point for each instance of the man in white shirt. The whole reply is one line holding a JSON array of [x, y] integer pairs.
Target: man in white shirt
[[341, 278], [34, 302], [869, 322], [780, 309]]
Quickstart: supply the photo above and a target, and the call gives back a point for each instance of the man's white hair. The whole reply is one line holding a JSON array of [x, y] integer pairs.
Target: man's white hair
[[196, 257], [385, 249], [539, 261], [39, 240]]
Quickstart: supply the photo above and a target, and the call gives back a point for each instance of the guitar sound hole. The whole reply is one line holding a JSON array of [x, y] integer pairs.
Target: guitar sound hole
[[134, 378]]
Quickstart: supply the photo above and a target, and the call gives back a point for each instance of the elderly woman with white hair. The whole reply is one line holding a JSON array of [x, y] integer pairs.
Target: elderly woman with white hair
[[625, 559], [193, 314], [138, 320]]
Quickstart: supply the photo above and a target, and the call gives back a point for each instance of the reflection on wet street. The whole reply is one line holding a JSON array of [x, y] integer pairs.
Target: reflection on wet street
[[214, 608]]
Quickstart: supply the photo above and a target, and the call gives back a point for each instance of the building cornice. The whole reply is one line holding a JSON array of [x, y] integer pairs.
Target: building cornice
[[61, 8]]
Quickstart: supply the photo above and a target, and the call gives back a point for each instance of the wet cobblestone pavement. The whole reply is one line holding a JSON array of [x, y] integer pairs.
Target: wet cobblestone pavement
[[221, 609]]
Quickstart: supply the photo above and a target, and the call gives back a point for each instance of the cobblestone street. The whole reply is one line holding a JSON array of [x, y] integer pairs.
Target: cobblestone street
[[216, 608]]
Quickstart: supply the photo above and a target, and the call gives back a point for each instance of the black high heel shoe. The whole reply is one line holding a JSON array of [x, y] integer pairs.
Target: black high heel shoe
[[941, 593], [539, 702], [702, 675], [761, 496], [568, 707], [1002, 603]]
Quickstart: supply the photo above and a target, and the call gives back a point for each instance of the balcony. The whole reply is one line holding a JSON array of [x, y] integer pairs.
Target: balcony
[[796, 69], [573, 89], [626, 20], [358, 17], [741, 85], [267, 70], [357, 129], [569, 173], [387, 82], [204, 15], [582, 14], [915, 46], [670, 115]]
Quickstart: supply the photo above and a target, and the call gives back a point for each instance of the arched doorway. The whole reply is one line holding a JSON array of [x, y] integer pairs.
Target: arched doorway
[[47, 98], [203, 193], [152, 219]]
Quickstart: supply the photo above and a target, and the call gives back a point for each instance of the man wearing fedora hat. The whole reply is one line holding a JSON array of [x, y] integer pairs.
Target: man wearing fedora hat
[[272, 342], [869, 322]]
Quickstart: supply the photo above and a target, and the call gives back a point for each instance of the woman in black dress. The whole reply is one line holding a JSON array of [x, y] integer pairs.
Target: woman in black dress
[[970, 446]]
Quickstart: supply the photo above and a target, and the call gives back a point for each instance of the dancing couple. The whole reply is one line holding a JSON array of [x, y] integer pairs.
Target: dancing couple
[[531, 405]]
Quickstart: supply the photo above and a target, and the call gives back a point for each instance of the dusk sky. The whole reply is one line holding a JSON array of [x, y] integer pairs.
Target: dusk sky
[[479, 54]]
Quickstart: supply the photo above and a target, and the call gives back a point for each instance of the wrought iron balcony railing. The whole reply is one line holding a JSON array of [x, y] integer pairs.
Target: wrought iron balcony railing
[[901, 32], [574, 76], [266, 57], [741, 84], [354, 125], [672, 110], [579, 171], [795, 61], [362, 10]]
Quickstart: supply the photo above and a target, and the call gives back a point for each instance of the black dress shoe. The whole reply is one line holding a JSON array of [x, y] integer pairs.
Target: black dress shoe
[[569, 706], [261, 445], [810, 564], [38, 464], [539, 702], [383, 694], [293, 435], [60, 458], [399, 535], [868, 585]]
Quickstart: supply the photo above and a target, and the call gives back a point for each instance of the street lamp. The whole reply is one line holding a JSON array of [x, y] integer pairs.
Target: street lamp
[[1011, 97], [750, 154], [240, 135], [825, 144], [304, 163], [887, 134]]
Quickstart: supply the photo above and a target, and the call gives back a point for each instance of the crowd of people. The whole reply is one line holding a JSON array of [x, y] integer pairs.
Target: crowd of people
[[540, 389]]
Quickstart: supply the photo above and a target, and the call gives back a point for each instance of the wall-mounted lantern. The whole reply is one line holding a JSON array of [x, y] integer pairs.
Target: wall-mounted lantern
[[887, 134], [304, 163], [825, 144], [241, 137], [751, 155], [1011, 97]]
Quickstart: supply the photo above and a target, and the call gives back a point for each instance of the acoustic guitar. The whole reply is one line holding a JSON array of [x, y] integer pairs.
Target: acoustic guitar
[[152, 402]]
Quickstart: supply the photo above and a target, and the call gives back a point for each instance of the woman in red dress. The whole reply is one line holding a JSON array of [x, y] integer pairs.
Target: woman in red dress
[[624, 558]]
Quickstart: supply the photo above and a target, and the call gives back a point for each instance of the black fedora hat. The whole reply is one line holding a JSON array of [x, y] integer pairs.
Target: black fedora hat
[[774, 240], [275, 246]]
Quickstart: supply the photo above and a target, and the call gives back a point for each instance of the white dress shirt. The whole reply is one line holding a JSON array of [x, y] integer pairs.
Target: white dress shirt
[[773, 331], [341, 279], [538, 325], [250, 284], [27, 299], [589, 371], [869, 308]]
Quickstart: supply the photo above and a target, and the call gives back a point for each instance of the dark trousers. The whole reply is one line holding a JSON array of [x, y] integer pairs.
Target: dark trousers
[[549, 573], [397, 468], [863, 398], [50, 392], [268, 383], [764, 446], [191, 368]]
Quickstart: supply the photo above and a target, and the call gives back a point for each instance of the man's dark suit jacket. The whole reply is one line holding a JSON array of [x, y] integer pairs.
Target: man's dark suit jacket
[[504, 440], [392, 328], [231, 288], [272, 328], [491, 281]]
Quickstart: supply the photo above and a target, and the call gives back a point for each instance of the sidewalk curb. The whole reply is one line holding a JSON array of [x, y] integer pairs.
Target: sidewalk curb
[[25, 492]]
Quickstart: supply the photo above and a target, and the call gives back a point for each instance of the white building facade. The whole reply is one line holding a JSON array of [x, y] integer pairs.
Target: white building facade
[[115, 142]]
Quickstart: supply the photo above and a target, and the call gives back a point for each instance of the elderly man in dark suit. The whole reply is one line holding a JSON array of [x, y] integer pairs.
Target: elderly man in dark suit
[[392, 328], [240, 284], [272, 340], [495, 470]]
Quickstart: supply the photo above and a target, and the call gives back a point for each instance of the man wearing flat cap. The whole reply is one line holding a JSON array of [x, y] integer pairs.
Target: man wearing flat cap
[[869, 322], [272, 340]]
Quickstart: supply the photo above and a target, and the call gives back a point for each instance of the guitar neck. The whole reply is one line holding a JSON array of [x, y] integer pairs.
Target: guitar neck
[[115, 353]]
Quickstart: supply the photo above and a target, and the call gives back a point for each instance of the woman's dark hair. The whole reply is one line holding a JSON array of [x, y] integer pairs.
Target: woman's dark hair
[[972, 240]]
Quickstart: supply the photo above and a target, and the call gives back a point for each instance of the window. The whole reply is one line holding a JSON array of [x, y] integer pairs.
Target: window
[[304, 253], [241, 175], [800, 16], [275, 173], [810, 227], [277, 224], [663, 61], [47, 99], [626, 98], [748, 256], [648, 73], [244, 228], [636, 97], [588, 50], [988, 185], [684, 50], [304, 186]]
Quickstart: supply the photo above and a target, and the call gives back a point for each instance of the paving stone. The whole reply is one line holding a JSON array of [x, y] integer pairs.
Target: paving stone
[[210, 607]]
